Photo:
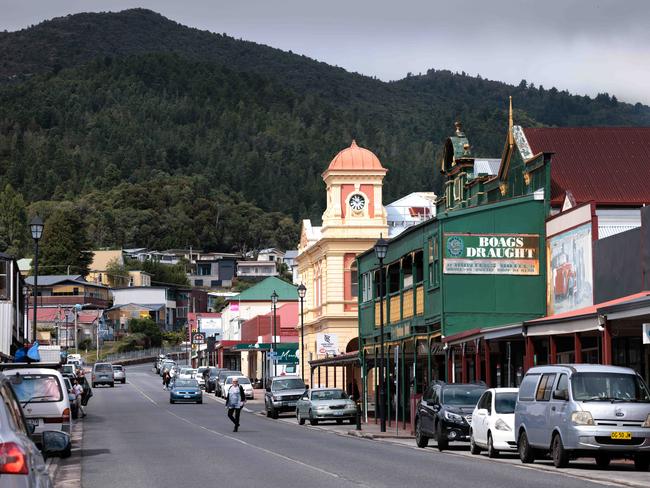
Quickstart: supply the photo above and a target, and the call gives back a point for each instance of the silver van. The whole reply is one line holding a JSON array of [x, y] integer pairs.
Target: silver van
[[583, 410]]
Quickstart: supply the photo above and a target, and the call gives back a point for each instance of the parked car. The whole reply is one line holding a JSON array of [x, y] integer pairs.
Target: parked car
[[325, 404], [103, 375], [282, 395], [70, 370], [186, 390], [72, 397], [21, 463], [583, 410], [119, 373], [445, 413], [199, 375], [211, 384], [221, 377], [44, 398], [244, 382], [187, 374], [493, 422], [166, 365]]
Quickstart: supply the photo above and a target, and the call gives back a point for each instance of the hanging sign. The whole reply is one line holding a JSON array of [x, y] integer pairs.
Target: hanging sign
[[327, 344], [509, 254]]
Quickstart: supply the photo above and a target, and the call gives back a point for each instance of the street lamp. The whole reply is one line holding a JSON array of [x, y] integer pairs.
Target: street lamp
[[36, 228], [381, 248], [302, 291], [274, 300]]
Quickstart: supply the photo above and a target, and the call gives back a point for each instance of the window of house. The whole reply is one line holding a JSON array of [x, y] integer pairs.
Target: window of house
[[458, 189], [204, 269], [198, 282], [418, 267], [354, 281], [367, 294], [407, 270], [215, 283], [4, 280]]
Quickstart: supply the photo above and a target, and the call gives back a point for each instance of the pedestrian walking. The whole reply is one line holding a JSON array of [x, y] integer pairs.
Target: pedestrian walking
[[235, 401], [166, 379], [78, 393]]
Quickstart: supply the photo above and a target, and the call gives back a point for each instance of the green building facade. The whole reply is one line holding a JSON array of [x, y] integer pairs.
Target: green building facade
[[479, 265]]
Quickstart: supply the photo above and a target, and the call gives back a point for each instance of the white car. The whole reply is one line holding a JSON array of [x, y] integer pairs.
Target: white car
[[244, 382], [44, 397], [199, 375], [187, 374], [493, 422]]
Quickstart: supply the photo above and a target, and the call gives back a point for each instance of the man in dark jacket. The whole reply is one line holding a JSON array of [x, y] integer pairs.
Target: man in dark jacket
[[235, 401]]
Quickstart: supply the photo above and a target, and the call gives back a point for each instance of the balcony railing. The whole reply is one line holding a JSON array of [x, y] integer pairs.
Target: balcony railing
[[401, 305], [395, 308]]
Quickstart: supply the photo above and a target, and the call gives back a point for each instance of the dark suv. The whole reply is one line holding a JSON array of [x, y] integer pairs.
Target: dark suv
[[283, 394], [445, 413]]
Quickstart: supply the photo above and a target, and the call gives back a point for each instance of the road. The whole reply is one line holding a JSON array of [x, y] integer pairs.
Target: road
[[133, 437]]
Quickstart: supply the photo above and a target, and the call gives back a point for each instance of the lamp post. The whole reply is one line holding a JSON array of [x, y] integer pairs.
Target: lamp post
[[274, 300], [302, 291], [36, 228], [381, 248]]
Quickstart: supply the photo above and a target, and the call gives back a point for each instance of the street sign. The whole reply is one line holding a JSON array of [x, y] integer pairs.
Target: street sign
[[198, 338]]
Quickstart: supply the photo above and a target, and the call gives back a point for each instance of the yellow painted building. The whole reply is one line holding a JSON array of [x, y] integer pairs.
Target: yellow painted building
[[353, 221]]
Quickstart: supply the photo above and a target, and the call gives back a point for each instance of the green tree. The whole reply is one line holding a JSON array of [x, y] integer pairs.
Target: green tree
[[118, 274], [149, 329], [13, 222], [65, 244]]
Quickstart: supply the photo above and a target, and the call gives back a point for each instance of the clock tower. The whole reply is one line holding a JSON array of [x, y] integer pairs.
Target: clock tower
[[354, 182]]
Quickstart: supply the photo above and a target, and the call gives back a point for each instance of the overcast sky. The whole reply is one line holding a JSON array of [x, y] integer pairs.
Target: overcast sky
[[584, 46]]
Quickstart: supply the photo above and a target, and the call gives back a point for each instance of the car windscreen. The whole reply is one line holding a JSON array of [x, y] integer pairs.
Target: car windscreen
[[288, 384], [186, 384], [39, 388], [505, 402], [103, 367], [609, 387], [244, 381], [68, 368], [461, 395], [329, 395]]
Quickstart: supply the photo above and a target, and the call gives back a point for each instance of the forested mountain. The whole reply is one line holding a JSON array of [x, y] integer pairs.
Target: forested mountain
[[167, 136]]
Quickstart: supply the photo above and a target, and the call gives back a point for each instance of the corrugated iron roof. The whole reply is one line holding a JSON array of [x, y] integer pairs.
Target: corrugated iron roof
[[609, 165]]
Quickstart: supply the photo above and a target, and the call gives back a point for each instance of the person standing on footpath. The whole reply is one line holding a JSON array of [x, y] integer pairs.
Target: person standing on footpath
[[235, 401]]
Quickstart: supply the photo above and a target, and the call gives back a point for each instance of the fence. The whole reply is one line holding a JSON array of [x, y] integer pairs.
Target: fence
[[144, 353]]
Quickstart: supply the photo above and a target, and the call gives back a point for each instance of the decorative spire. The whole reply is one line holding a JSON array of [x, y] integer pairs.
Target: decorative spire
[[354, 143], [511, 139], [459, 128]]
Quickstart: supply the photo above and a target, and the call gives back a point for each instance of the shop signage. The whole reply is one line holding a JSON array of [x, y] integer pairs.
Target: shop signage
[[327, 344], [509, 254], [198, 338]]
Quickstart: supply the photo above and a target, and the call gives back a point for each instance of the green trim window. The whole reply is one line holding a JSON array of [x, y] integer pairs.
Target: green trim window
[[434, 260], [366, 284]]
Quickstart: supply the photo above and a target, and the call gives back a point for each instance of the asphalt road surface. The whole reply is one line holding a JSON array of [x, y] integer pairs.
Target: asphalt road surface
[[133, 437]]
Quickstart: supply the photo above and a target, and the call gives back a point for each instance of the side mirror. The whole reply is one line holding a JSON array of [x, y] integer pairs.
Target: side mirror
[[561, 395], [56, 444]]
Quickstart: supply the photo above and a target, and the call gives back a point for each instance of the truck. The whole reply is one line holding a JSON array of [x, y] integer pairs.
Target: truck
[[50, 354]]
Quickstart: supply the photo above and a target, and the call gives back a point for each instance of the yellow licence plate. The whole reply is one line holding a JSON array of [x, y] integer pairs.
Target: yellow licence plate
[[621, 435]]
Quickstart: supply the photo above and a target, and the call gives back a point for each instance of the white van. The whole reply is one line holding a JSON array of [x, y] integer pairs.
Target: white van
[[44, 398]]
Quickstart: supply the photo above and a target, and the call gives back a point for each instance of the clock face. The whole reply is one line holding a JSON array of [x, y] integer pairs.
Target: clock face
[[357, 202]]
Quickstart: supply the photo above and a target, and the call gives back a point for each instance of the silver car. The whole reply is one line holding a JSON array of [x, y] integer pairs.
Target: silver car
[[583, 410], [325, 404], [21, 463], [119, 373]]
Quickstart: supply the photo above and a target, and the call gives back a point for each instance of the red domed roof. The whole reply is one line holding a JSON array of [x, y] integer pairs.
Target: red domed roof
[[355, 158]]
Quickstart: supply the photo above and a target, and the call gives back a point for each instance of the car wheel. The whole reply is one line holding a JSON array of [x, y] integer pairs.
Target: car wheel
[[123, 381], [353, 421], [268, 412], [200, 402], [421, 440], [113, 385], [171, 401], [492, 452], [274, 413], [602, 460], [442, 442], [312, 421], [526, 453], [94, 385], [641, 462], [560, 455], [300, 420], [473, 448]]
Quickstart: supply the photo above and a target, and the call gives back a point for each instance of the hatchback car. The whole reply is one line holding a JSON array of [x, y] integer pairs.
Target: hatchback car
[[44, 398], [583, 410], [21, 463], [103, 374], [325, 404], [221, 378], [493, 422], [119, 373], [445, 413], [187, 390]]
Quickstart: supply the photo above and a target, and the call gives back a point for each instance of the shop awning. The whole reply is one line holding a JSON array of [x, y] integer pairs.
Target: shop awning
[[629, 309], [340, 360], [583, 324]]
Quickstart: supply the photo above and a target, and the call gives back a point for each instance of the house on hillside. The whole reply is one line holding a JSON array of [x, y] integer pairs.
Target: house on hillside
[[156, 302], [99, 267], [410, 210], [256, 270], [69, 290], [213, 270]]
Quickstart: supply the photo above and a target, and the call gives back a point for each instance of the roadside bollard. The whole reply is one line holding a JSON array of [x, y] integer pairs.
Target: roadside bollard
[[358, 416]]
